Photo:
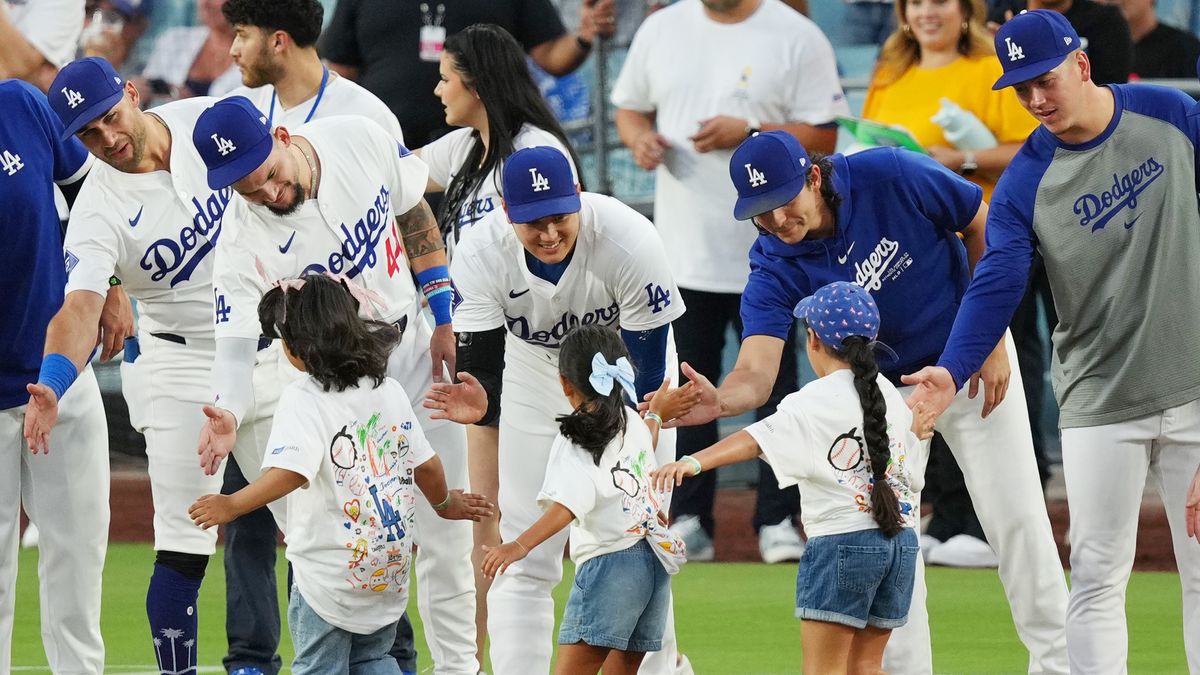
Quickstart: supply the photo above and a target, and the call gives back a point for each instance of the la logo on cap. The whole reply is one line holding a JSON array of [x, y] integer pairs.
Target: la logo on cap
[[756, 177], [540, 184], [224, 145], [74, 98], [1015, 53]]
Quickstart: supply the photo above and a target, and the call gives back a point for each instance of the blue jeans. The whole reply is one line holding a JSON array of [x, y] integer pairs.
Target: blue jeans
[[325, 648], [858, 578]]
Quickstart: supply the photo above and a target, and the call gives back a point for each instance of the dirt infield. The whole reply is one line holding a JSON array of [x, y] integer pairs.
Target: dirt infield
[[735, 540]]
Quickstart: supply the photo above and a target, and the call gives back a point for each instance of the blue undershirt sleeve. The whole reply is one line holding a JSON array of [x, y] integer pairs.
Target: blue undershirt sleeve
[[648, 351]]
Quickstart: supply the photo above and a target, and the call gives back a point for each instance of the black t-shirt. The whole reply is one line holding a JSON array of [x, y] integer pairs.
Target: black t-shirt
[[382, 39], [1166, 51], [1102, 27]]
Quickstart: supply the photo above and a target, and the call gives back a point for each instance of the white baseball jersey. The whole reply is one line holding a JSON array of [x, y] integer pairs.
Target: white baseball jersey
[[350, 530], [447, 155], [350, 227], [340, 97], [156, 231], [618, 276]]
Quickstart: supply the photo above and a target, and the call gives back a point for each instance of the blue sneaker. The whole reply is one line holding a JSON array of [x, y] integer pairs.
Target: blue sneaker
[[247, 670]]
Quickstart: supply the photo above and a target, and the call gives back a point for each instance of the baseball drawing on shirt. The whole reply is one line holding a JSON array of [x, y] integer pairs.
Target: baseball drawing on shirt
[[644, 506], [851, 467]]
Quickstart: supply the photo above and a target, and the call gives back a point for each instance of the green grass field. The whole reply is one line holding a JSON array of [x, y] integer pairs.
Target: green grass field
[[731, 618]]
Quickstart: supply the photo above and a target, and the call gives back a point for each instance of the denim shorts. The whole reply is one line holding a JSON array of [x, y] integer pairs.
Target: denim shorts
[[619, 600], [858, 578]]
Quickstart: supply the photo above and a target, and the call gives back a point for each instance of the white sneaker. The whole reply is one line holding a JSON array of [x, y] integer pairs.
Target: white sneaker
[[928, 543], [963, 550], [777, 543], [31, 536], [699, 544]]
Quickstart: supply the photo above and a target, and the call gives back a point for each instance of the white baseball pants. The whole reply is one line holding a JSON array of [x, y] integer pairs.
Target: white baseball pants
[[996, 456], [1106, 469], [65, 492]]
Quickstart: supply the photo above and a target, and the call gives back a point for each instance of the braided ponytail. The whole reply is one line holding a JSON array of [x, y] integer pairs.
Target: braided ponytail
[[885, 505]]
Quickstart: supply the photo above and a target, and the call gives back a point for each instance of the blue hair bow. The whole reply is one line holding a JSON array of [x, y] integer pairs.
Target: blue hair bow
[[603, 374]]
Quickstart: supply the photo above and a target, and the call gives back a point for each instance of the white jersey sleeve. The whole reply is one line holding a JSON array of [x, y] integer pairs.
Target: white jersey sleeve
[[477, 305], [445, 155], [408, 175], [93, 247], [785, 439], [238, 286], [645, 287]]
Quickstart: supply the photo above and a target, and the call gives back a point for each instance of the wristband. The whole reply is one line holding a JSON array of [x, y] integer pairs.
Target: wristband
[[694, 462], [57, 373], [435, 284], [518, 543], [445, 502], [654, 416], [114, 281]]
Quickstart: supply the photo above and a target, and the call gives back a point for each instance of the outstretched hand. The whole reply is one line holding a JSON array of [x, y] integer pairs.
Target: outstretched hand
[[211, 510], [670, 403], [466, 506], [496, 559], [705, 407], [217, 437], [40, 415], [668, 476], [465, 403], [934, 387]]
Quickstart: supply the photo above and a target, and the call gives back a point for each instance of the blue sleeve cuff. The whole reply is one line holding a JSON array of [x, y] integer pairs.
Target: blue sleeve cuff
[[648, 351], [58, 373], [435, 284]]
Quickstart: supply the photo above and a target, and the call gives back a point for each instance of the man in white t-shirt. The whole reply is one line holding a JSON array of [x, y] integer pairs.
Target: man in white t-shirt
[[343, 196], [37, 37], [751, 65]]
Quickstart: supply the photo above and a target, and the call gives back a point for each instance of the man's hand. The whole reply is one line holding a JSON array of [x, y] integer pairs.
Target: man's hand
[[707, 405], [442, 347], [597, 19], [650, 149], [116, 322], [934, 387], [211, 510], [466, 506], [465, 403], [995, 374], [719, 133], [40, 415], [1193, 507], [217, 437]]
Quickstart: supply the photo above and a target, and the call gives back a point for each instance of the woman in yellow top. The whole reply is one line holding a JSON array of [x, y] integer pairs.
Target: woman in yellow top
[[942, 50]]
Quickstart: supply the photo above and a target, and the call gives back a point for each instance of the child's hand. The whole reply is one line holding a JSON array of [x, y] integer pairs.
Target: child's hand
[[670, 403], [497, 559], [666, 477], [211, 510], [923, 419], [467, 506]]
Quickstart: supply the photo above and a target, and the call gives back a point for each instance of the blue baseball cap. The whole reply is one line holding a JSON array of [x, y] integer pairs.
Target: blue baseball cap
[[538, 182], [1033, 43], [233, 139], [840, 310], [84, 89], [768, 170]]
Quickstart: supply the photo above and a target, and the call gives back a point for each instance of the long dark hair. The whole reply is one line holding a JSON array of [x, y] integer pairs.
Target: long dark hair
[[492, 64], [599, 419], [320, 324], [885, 505]]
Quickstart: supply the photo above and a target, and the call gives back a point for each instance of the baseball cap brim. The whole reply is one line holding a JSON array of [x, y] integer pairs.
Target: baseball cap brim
[[1028, 72], [92, 112], [242, 165], [747, 207], [802, 308], [554, 206]]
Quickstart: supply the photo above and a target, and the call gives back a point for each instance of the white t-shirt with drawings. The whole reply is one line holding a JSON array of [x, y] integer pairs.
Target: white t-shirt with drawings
[[815, 439], [350, 529], [613, 503], [447, 155]]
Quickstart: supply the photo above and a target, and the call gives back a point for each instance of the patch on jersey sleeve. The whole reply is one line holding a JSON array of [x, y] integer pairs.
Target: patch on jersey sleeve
[[71, 260], [404, 152], [456, 298]]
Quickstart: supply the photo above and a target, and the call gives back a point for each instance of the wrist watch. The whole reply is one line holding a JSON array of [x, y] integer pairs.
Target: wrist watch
[[969, 166], [753, 126]]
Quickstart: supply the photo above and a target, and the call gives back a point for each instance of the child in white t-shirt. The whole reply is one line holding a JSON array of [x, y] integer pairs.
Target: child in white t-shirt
[[346, 450], [841, 438], [597, 481]]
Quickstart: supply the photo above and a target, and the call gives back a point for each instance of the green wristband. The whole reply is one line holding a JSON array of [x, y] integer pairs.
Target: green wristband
[[694, 462], [445, 502]]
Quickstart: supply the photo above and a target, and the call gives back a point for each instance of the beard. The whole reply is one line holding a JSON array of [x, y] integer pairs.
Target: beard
[[262, 71], [297, 200]]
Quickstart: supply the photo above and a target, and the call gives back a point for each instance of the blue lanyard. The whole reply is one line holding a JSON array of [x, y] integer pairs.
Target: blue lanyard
[[320, 93]]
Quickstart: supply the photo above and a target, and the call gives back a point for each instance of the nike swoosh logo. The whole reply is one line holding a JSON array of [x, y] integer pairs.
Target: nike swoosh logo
[[285, 247], [514, 294], [843, 258], [1130, 223], [134, 220]]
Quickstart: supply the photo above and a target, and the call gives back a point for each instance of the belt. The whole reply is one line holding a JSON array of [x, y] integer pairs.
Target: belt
[[263, 342]]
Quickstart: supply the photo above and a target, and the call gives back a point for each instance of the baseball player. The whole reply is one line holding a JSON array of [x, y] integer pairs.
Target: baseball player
[[344, 197], [560, 259], [67, 489], [1105, 190], [889, 220], [146, 215], [274, 45]]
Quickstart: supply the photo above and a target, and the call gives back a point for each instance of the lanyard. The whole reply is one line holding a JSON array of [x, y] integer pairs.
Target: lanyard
[[320, 93]]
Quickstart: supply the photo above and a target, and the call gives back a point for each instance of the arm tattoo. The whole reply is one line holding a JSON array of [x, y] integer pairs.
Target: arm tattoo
[[420, 231]]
